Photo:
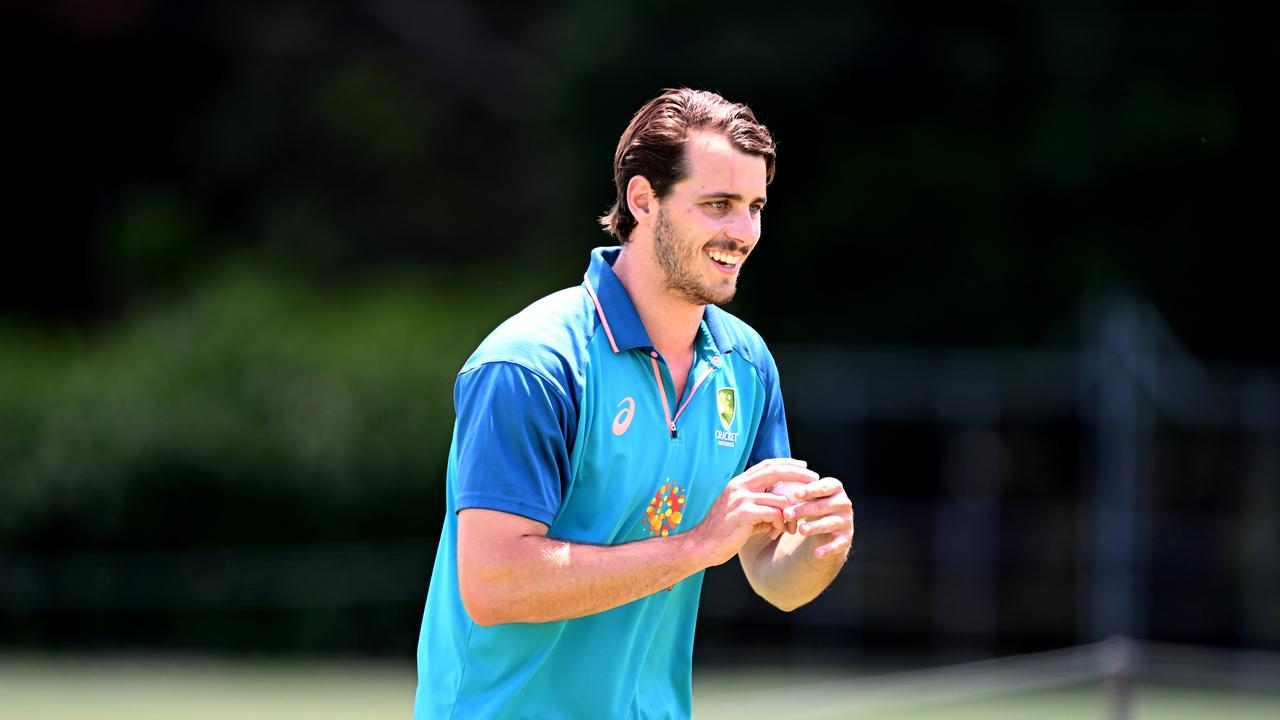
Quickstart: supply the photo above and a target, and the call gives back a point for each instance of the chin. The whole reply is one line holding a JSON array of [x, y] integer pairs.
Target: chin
[[722, 298]]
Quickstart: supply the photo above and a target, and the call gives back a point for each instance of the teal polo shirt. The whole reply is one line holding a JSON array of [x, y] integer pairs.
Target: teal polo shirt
[[566, 414]]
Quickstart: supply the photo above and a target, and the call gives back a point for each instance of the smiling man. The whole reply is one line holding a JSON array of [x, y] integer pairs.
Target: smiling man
[[615, 439]]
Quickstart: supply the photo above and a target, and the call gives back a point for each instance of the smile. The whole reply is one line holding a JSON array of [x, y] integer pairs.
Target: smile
[[725, 259]]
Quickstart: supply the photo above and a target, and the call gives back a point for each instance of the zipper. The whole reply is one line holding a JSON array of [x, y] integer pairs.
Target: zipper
[[666, 408], [657, 377]]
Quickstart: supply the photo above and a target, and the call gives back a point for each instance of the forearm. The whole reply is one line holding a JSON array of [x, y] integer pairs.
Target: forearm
[[509, 571], [541, 579], [785, 572]]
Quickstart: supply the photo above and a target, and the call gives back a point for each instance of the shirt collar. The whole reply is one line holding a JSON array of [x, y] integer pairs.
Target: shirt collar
[[713, 316], [618, 314]]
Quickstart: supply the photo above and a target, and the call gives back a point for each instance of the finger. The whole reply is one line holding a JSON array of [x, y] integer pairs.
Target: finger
[[839, 544], [774, 529], [769, 499], [759, 515], [773, 462], [790, 526], [824, 526], [783, 461], [814, 509], [786, 489], [763, 528], [765, 466], [823, 487]]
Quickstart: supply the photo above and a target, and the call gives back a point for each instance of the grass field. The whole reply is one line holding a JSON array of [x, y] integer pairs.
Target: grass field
[[146, 687]]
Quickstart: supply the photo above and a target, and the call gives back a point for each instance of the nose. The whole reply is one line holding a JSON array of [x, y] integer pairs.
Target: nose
[[742, 227]]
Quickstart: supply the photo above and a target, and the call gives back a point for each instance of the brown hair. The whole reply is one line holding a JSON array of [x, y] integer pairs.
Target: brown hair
[[653, 145]]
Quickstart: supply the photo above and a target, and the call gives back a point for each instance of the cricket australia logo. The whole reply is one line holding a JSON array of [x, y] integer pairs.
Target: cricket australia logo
[[727, 404]]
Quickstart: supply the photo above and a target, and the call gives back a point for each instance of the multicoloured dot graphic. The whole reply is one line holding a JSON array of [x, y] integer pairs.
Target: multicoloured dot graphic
[[666, 510]]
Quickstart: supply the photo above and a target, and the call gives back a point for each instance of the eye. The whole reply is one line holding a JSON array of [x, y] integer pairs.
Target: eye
[[719, 204], [756, 209]]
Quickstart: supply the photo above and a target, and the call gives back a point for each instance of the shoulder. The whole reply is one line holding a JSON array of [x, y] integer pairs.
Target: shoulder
[[747, 343], [548, 339]]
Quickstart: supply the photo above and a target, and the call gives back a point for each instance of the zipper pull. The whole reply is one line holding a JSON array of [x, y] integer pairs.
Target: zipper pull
[[673, 430]]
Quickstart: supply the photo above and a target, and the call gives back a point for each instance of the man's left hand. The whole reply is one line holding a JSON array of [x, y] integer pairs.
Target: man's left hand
[[822, 510]]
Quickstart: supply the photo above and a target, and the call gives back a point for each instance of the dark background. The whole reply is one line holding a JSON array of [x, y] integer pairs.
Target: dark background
[[248, 245]]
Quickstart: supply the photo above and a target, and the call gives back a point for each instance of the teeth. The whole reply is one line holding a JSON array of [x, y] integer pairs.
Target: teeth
[[723, 257]]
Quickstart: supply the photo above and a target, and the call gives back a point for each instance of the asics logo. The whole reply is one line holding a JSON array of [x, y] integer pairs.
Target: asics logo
[[622, 420]]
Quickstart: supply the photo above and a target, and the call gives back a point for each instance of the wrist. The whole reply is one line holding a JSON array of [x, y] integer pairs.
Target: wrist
[[688, 549]]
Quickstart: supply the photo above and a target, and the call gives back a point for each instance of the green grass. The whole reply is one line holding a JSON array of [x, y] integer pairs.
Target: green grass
[[161, 689], [723, 695], [147, 687]]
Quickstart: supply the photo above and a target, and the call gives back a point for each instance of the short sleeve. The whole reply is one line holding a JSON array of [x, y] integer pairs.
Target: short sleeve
[[513, 436], [772, 440]]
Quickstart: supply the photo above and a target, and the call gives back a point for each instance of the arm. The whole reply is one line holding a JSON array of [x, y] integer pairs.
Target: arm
[[790, 570], [794, 568], [509, 570]]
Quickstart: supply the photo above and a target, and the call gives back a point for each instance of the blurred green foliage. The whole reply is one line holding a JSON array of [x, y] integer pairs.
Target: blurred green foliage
[[253, 243], [255, 408]]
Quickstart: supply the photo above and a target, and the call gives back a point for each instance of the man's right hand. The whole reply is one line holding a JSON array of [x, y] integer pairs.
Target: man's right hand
[[746, 507]]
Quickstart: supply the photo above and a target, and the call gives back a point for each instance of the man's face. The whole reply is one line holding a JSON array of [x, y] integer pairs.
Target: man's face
[[710, 220]]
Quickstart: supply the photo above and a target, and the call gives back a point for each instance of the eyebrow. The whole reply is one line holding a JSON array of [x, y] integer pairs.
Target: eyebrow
[[730, 196]]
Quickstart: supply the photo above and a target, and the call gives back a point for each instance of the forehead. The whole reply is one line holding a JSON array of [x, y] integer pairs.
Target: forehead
[[714, 165]]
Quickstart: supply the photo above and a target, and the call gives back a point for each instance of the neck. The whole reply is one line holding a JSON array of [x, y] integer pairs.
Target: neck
[[671, 321]]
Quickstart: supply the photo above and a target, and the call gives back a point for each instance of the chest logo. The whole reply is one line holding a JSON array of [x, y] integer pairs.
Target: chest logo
[[665, 510], [622, 420], [727, 403]]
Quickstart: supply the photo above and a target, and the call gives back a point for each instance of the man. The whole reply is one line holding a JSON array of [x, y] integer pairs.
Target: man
[[615, 439]]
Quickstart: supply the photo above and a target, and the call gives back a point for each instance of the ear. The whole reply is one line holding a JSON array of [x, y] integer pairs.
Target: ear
[[640, 199]]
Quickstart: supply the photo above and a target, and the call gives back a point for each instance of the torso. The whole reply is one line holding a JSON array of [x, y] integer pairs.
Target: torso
[[627, 478]]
